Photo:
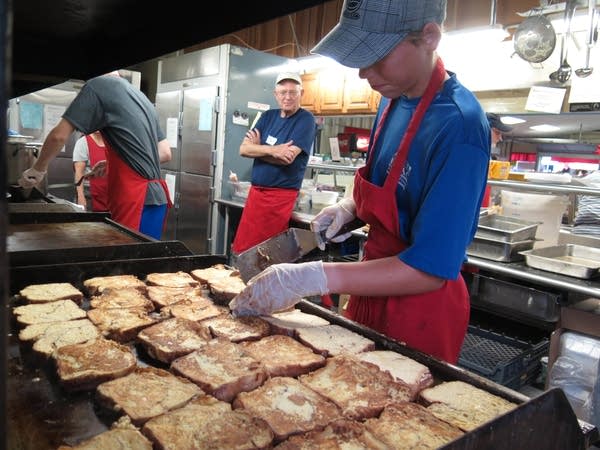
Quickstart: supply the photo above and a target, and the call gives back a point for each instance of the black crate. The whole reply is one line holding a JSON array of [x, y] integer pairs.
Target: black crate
[[503, 359]]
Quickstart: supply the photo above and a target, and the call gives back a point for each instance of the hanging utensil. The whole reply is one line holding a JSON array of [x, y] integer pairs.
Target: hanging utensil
[[563, 73], [535, 39], [591, 41]]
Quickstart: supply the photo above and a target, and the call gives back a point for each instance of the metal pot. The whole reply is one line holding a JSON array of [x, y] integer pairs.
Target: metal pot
[[20, 156], [535, 39]]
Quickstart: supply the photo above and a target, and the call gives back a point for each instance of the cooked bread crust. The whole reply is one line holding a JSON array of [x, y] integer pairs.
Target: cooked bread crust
[[238, 329], [97, 285], [145, 393], [59, 334], [288, 406], [173, 338], [57, 311], [359, 388], [224, 289], [208, 424], [196, 309], [122, 298], [113, 439], [333, 340], [222, 369], [463, 405], [50, 292], [410, 426], [414, 374], [84, 366], [171, 279], [120, 324], [163, 296], [209, 274], [284, 356]]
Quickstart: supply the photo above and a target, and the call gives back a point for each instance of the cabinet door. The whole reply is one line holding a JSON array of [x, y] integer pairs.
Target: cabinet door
[[310, 97], [331, 89], [358, 95]]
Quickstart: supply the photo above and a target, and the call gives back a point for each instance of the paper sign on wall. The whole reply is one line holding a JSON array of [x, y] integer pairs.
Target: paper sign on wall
[[334, 146], [170, 181], [545, 99], [172, 128]]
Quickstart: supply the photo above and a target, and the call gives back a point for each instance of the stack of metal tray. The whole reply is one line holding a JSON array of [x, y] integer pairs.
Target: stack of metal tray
[[502, 238], [573, 260]]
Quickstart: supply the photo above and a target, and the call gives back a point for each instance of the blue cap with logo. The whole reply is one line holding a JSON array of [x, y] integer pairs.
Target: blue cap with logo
[[369, 29]]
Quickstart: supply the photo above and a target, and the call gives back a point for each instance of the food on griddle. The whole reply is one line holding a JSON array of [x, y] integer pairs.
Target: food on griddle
[[51, 292], [360, 389], [122, 435], [122, 298], [463, 405], [57, 311], [173, 338], [414, 374], [59, 334], [333, 340], [410, 426], [221, 368], [96, 285], [145, 393], [284, 356], [120, 324], [164, 296], [288, 406], [85, 365], [238, 329], [210, 274], [224, 289], [206, 423], [340, 434], [288, 322], [171, 279], [195, 309]]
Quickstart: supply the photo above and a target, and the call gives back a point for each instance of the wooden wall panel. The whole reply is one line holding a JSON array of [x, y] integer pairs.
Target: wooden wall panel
[[296, 37]]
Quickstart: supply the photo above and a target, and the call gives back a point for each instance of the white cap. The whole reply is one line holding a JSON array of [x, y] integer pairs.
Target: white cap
[[289, 76]]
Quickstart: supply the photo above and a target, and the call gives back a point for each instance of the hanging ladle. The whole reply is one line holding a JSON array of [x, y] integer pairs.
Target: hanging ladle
[[591, 42], [563, 73]]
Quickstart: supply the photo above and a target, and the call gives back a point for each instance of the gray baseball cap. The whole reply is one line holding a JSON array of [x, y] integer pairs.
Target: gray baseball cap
[[369, 29]]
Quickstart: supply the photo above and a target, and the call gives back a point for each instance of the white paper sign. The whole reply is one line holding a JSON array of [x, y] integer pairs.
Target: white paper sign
[[545, 99], [334, 146], [170, 180], [172, 127], [259, 106], [52, 115]]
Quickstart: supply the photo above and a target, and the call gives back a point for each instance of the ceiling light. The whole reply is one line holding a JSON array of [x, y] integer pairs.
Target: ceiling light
[[544, 128], [510, 120]]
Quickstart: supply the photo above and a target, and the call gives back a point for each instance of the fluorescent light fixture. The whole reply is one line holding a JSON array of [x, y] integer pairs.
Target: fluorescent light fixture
[[510, 120], [544, 128], [312, 62], [580, 22], [488, 33]]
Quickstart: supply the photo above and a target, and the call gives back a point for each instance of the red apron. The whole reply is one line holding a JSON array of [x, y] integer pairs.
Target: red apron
[[127, 191], [267, 213], [98, 185], [433, 322]]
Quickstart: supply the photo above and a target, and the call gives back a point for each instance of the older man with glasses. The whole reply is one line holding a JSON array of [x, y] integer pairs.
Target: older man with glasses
[[280, 145]]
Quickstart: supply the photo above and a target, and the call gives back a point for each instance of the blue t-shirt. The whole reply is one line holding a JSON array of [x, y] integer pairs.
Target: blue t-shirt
[[299, 128], [441, 188], [127, 120]]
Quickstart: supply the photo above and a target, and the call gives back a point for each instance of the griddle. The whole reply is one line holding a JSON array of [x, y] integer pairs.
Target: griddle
[[544, 422]]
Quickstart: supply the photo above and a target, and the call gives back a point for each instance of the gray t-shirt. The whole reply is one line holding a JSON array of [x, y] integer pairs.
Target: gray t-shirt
[[129, 123]]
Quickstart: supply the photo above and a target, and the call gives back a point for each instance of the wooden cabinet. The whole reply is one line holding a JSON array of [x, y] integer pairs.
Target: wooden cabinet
[[335, 92]]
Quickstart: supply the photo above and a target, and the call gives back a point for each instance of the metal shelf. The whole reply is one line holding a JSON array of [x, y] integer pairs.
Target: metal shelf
[[553, 188]]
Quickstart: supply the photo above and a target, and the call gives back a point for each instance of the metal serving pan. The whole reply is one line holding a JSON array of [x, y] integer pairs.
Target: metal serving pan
[[569, 259], [498, 250], [544, 422], [506, 229]]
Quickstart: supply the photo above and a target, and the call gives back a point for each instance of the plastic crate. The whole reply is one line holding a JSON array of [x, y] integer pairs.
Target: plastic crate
[[503, 359]]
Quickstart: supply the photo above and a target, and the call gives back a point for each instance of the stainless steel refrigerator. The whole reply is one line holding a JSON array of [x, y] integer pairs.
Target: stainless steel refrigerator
[[206, 101]]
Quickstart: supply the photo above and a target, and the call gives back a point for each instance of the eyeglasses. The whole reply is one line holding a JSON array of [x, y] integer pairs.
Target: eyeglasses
[[292, 94]]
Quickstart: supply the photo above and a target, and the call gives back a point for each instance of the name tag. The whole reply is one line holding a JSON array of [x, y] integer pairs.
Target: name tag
[[271, 140]]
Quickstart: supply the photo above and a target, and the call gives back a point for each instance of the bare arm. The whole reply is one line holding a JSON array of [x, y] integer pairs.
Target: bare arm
[[79, 167], [282, 154], [379, 277], [55, 140], [164, 151]]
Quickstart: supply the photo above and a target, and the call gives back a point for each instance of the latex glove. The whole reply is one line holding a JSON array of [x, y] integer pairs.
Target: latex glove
[[31, 177], [332, 218], [279, 287]]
